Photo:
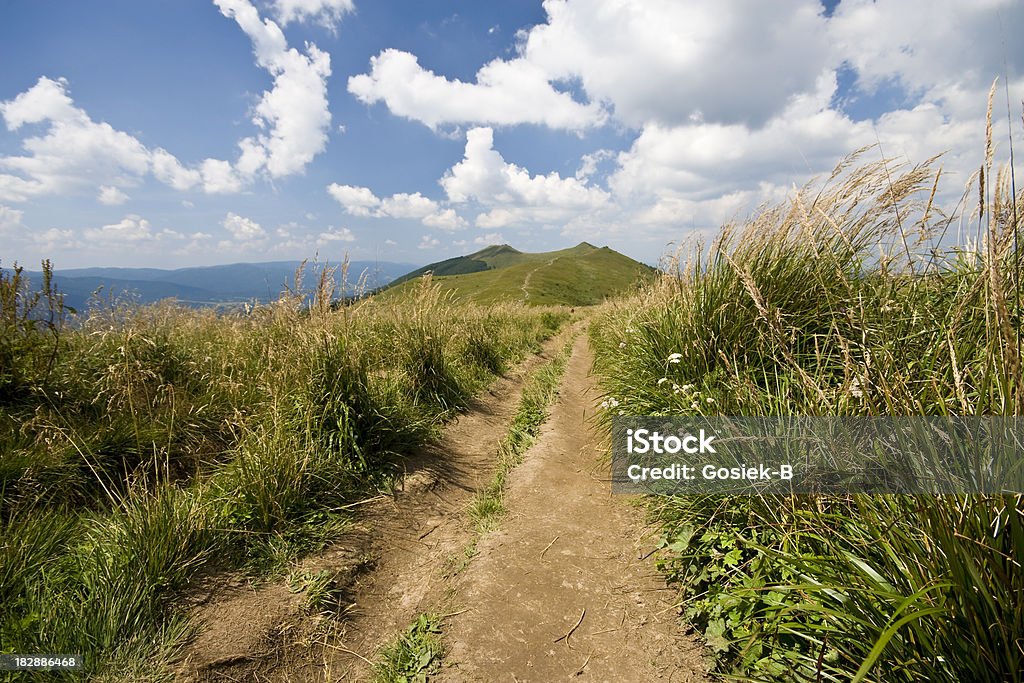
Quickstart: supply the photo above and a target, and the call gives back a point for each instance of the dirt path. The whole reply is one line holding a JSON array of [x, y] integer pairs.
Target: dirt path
[[566, 560], [567, 552], [393, 564]]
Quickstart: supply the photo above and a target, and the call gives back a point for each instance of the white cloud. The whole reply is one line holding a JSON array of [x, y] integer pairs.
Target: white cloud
[[655, 60], [55, 238], [505, 93], [953, 43], [667, 61], [391, 243], [294, 111], [72, 152], [490, 238], [445, 219], [111, 196], [243, 229], [589, 163], [429, 242], [131, 229], [325, 12], [219, 177], [361, 201], [168, 170], [404, 205], [510, 193], [358, 201], [9, 218], [336, 235]]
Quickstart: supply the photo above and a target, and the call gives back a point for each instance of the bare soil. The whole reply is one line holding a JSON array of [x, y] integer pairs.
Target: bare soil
[[559, 591]]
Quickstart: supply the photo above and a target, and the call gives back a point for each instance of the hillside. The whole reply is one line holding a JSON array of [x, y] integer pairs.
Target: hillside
[[580, 276]]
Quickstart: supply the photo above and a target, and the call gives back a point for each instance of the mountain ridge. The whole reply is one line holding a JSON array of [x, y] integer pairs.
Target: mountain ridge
[[581, 275]]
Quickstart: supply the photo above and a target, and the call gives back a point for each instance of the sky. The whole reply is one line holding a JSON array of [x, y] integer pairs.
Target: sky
[[171, 133]]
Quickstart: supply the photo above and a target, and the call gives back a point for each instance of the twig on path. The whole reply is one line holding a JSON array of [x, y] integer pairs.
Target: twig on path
[[579, 672], [351, 652], [455, 614], [358, 503], [607, 630], [573, 629], [549, 545]]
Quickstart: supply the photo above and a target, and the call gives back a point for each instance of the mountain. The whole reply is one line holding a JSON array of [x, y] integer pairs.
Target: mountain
[[579, 276], [209, 285]]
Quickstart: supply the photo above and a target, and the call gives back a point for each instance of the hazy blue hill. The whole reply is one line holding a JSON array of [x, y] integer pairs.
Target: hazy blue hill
[[208, 285]]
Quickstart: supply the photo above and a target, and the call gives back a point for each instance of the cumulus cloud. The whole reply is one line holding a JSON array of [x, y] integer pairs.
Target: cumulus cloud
[[111, 196], [445, 219], [72, 152], [131, 229], [361, 201], [358, 201], [294, 112], [9, 218], [54, 238], [335, 235], [655, 60], [490, 238], [325, 12], [671, 62], [511, 195], [505, 93], [243, 229], [429, 242]]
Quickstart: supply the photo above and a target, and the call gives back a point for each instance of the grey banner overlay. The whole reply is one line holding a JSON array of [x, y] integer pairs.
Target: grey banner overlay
[[807, 455]]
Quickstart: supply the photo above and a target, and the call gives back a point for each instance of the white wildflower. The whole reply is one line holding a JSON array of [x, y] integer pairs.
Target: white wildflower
[[609, 402], [662, 381], [710, 400], [675, 358], [622, 345]]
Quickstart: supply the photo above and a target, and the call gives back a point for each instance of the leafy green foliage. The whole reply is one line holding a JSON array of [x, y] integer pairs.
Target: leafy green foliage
[[415, 655]]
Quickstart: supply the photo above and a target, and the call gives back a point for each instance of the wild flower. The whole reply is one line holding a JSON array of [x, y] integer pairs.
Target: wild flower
[[695, 405], [609, 402], [675, 358], [710, 400], [662, 381], [622, 345]]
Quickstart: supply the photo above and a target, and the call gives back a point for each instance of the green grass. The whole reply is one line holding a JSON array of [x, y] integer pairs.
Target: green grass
[[147, 446], [581, 276], [415, 655], [541, 388], [795, 313]]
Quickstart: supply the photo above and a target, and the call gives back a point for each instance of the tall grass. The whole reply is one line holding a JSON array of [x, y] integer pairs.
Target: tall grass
[[146, 445], [844, 300]]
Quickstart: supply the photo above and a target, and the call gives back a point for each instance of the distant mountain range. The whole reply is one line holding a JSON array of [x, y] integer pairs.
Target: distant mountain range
[[579, 276], [208, 285]]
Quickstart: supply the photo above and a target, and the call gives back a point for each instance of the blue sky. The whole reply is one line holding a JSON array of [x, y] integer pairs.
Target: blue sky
[[180, 132]]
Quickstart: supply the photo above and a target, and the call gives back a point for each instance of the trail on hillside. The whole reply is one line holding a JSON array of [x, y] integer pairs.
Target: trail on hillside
[[529, 276], [559, 591]]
